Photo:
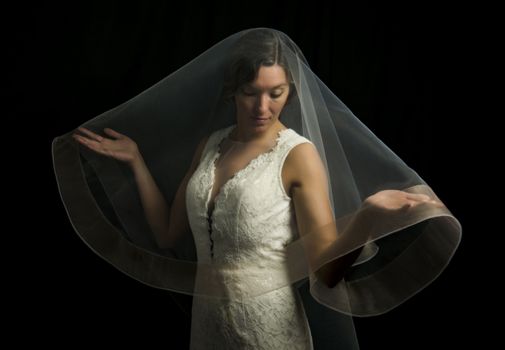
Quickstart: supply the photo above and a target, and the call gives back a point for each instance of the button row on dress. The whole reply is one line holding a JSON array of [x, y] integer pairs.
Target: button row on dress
[[209, 219]]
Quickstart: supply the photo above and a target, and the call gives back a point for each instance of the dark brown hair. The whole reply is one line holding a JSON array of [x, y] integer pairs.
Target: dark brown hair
[[256, 48]]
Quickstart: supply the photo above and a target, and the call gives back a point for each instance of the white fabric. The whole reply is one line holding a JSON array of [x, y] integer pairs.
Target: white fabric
[[252, 216]]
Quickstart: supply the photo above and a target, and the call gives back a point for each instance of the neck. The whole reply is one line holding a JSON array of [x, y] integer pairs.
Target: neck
[[242, 133]]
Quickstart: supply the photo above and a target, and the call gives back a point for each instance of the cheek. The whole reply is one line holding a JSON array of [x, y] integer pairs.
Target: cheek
[[249, 104], [279, 105], [244, 104]]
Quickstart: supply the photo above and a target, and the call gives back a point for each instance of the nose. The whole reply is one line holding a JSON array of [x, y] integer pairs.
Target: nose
[[262, 103]]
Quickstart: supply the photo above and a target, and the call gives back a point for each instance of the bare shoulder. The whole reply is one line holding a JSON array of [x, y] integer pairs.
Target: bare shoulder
[[201, 144], [198, 154], [303, 164]]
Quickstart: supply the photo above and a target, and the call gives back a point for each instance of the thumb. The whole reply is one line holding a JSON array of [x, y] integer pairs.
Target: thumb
[[406, 206]]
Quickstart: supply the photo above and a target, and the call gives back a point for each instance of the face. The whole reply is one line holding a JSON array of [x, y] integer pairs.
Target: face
[[260, 102]]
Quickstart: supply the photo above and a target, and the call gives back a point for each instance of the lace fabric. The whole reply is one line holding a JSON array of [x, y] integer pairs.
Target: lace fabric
[[250, 157], [252, 160], [272, 320]]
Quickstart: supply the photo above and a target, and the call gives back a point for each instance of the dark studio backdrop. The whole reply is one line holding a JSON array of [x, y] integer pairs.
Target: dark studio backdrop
[[392, 66]]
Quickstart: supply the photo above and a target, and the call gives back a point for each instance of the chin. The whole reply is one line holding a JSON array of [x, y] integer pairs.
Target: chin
[[261, 123]]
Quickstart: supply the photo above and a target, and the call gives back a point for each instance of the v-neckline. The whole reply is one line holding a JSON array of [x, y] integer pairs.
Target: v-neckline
[[215, 158]]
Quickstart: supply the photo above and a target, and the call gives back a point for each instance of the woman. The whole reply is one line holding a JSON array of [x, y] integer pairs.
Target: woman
[[258, 203]]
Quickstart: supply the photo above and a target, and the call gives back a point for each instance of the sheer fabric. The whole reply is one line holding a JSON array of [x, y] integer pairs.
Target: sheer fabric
[[403, 250]]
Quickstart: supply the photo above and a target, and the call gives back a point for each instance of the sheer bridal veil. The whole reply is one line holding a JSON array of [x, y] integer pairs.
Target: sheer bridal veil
[[403, 250]]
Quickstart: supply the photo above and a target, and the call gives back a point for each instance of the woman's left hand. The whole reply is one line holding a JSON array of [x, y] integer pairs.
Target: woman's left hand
[[392, 201]]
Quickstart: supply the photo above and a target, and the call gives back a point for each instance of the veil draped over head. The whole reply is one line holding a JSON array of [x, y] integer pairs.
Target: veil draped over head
[[403, 250]]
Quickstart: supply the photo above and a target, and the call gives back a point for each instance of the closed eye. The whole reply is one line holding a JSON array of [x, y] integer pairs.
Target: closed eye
[[252, 94]]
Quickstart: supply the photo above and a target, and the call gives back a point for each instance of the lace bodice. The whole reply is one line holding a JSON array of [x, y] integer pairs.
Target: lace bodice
[[252, 220]]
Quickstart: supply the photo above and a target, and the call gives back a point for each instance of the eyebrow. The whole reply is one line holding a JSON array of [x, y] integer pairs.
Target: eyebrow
[[275, 87]]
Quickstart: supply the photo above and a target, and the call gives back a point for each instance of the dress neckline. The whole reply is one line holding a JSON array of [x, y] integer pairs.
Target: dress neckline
[[234, 127], [239, 173]]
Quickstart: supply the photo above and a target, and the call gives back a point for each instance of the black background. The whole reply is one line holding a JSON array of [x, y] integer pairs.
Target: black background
[[398, 68]]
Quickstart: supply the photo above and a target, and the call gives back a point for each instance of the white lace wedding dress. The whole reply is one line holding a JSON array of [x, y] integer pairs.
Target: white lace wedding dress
[[254, 205]]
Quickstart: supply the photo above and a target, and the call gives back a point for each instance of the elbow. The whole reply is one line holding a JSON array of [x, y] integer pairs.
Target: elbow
[[164, 244], [167, 249], [162, 241], [333, 272], [329, 274]]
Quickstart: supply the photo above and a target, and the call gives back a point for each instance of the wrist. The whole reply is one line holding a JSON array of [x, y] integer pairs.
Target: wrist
[[137, 162]]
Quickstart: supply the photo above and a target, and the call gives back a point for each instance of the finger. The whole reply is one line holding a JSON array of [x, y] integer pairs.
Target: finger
[[418, 197], [113, 133], [91, 134], [94, 145], [80, 138], [431, 201], [436, 203]]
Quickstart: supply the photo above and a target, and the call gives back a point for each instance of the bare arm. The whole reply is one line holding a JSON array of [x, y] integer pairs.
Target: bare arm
[[313, 209], [168, 223], [155, 206]]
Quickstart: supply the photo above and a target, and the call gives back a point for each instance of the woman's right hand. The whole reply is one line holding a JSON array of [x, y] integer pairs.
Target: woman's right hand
[[121, 147]]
